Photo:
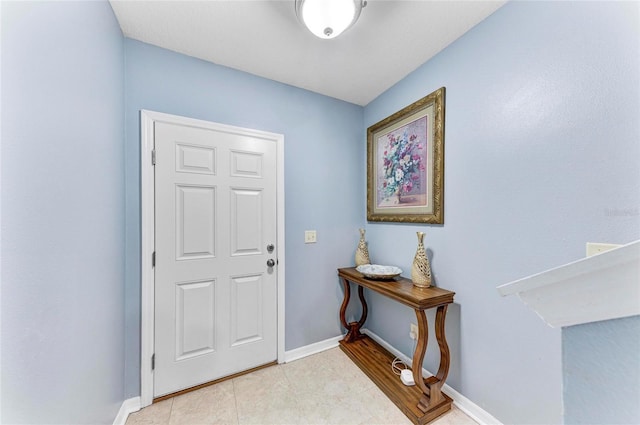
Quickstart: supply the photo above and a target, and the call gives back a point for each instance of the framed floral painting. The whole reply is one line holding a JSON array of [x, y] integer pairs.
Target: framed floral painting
[[405, 164]]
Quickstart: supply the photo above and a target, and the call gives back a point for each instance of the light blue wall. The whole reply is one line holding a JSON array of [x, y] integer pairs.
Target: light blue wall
[[62, 213], [541, 156], [324, 189], [601, 369], [542, 144]]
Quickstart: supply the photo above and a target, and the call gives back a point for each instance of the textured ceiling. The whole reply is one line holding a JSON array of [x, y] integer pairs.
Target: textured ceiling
[[391, 39]]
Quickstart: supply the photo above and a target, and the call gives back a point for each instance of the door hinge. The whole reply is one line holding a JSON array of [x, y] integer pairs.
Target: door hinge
[[153, 157], [153, 361], [153, 259]]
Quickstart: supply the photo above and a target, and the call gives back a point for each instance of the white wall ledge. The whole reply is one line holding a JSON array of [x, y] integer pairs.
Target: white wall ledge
[[602, 287]]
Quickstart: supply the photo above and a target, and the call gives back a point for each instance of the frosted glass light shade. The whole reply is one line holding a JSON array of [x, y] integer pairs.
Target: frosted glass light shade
[[328, 18]]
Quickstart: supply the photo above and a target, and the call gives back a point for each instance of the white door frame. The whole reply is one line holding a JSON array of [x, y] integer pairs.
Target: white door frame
[[147, 194]]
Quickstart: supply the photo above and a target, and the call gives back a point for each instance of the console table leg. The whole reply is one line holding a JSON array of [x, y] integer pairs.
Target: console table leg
[[443, 369], [418, 357], [432, 387], [345, 302], [435, 386], [353, 328], [365, 310]]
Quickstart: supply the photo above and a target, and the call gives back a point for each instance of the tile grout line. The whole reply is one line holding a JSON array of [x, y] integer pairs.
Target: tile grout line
[[170, 411], [235, 400]]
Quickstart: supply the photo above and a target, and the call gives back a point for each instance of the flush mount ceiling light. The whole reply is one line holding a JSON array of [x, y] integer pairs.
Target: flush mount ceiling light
[[329, 18]]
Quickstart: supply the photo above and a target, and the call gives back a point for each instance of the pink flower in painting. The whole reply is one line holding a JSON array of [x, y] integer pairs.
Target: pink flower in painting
[[402, 163]]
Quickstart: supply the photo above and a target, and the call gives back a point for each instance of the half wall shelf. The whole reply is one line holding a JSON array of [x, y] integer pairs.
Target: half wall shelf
[[601, 287]]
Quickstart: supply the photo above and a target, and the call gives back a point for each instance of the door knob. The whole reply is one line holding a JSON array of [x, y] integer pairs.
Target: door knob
[[270, 263]]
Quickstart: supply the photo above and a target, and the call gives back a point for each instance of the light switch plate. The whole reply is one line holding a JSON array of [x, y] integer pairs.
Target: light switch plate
[[309, 236]]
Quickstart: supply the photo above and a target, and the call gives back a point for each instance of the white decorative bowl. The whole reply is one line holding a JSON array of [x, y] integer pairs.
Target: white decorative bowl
[[376, 271]]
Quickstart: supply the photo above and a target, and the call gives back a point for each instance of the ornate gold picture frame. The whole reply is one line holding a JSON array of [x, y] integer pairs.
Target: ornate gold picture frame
[[405, 164]]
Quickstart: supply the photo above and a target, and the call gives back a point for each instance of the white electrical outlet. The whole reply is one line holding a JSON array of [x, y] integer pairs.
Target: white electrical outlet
[[310, 236], [413, 332]]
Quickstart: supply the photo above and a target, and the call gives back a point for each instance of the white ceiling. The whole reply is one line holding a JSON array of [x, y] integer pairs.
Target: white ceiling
[[263, 37]]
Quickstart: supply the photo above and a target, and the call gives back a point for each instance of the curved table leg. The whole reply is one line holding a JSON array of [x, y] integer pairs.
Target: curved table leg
[[431, 387], [418, 357], [353, 328], [443, 369], [345, 302], [365, 310]]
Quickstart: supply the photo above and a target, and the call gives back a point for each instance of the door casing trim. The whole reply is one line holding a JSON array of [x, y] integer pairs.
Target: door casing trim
[[147, 212]]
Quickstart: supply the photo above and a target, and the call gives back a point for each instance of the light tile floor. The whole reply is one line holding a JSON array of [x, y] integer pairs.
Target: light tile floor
[[326, 388]]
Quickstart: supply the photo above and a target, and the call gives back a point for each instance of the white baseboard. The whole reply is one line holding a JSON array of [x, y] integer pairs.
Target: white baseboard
[[129, 406], [310, 349], [471, 409]]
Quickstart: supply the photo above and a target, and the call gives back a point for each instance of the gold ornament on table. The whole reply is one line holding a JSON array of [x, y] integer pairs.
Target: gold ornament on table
[[362, 252], [421, 270]]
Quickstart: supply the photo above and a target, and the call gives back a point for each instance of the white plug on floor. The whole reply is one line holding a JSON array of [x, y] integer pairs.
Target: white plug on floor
[[406, 376]]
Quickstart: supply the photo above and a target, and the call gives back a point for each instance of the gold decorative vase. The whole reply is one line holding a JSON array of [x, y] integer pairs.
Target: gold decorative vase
[[362, 252], [421, 270]]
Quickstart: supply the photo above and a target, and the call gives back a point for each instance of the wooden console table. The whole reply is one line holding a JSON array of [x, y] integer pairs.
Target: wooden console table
[[424, 401]]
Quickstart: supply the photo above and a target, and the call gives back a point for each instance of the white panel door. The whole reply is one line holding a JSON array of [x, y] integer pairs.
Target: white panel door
[[215, 215]]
